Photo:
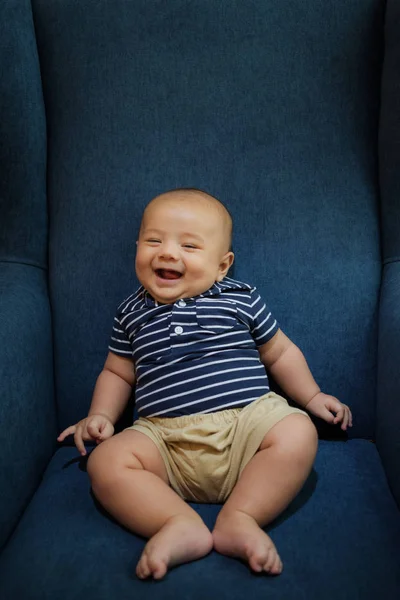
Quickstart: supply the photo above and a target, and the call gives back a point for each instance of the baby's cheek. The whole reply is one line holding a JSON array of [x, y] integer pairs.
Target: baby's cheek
[[143, 260]]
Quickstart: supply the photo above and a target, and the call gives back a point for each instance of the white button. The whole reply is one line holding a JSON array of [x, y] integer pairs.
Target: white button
[[178, 330], [181, 303]]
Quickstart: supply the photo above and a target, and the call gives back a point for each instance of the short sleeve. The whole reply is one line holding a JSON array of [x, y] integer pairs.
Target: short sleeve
[[119, 342], [263, 326]]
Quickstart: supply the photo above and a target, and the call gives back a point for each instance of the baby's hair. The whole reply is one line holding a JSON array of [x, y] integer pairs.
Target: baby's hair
[[221, 206]]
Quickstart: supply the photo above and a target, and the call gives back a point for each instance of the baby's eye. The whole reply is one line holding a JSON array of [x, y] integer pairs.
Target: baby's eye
[[153, 241], [192, 246]]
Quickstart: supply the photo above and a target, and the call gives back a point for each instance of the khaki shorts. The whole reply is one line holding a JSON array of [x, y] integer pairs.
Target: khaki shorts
[[204, 454]]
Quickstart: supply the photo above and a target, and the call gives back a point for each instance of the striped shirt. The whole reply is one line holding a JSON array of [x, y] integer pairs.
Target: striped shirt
[[197, 355]]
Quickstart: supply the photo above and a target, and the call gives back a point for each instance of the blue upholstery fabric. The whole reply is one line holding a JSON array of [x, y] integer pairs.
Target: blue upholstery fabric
[[274, 107], [270, 106], [27, 411], [389, 133], [388, 404], [27, 408], [340, 539], [23, 238]]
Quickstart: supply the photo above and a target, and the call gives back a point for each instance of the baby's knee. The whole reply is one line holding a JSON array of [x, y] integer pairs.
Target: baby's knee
[[303, 442], [107, 463], [295, 435], [97, 464], [307, 429]]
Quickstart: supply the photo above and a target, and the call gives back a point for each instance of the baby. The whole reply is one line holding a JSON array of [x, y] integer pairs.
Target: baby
[[195, 345]]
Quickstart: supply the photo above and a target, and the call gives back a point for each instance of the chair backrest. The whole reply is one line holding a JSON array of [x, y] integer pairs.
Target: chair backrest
[[271, 106], [388, 398], [27, 409]]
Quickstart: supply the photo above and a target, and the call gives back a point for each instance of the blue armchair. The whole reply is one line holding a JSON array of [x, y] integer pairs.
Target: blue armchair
[[289, 112]]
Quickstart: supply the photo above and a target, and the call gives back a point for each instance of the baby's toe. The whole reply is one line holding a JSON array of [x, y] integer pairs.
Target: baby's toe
[[143, 569], [158, 568], [255, 565], [276, 567], [269, 558], [257, 560]]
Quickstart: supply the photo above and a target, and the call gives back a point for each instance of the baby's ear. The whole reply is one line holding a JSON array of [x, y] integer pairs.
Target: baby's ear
[[225, 265]]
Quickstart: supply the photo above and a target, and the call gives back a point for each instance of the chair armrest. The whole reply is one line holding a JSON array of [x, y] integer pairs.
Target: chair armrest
[[27, 408], [388, 392]]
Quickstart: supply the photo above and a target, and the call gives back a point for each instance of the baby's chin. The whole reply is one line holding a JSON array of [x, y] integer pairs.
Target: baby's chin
[[167, 295], [168, 298], [165, 298], [169, 291]]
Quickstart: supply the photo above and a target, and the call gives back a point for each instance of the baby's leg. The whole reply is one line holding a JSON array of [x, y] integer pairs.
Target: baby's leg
[[266, 486], [129, 479]]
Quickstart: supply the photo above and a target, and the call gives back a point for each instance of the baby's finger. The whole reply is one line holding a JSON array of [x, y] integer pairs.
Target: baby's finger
[[349, 417], [106, 430], [79, 441], [345, 419], [93, 430], [325, 414], [339, 415], [69, 431]]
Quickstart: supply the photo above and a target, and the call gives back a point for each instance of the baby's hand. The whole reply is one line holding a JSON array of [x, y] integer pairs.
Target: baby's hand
[[322, 405], [95, 427]]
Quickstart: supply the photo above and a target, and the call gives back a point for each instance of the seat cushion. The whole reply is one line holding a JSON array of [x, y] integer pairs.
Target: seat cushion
[[340, 538]]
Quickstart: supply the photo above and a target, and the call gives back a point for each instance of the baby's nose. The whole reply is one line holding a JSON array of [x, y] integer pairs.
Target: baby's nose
[[169, 251]]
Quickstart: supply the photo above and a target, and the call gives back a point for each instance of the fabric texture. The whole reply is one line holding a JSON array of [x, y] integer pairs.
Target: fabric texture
[[198, 354], [205, 454], [23, 206], [271, 107], [388, 405], [345, 522], [275, 108], [27, 406]]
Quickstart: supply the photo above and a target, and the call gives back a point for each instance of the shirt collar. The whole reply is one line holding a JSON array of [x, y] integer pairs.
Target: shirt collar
[[148, 298], [226, 284], [215, 290]]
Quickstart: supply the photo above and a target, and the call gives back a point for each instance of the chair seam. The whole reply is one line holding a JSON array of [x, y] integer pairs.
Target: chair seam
[[21, 262], [393, 259]]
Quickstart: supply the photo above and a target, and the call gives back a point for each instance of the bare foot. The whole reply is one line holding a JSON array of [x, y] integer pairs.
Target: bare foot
[[240, 536], [180, 540]]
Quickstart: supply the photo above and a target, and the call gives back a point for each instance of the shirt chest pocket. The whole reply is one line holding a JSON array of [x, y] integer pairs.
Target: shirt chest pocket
[[217, 316]]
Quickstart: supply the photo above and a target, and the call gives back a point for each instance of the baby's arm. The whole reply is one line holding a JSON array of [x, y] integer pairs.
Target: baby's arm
[[113, 387], [111, 394], [286, 363]]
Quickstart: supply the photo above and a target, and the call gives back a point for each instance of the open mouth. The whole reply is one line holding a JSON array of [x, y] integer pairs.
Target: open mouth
[[168, 274]]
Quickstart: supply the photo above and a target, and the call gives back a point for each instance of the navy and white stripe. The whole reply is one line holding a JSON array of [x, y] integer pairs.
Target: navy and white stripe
[[197, 355]]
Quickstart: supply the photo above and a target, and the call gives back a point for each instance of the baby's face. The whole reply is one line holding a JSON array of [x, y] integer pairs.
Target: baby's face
[[182, 248]]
